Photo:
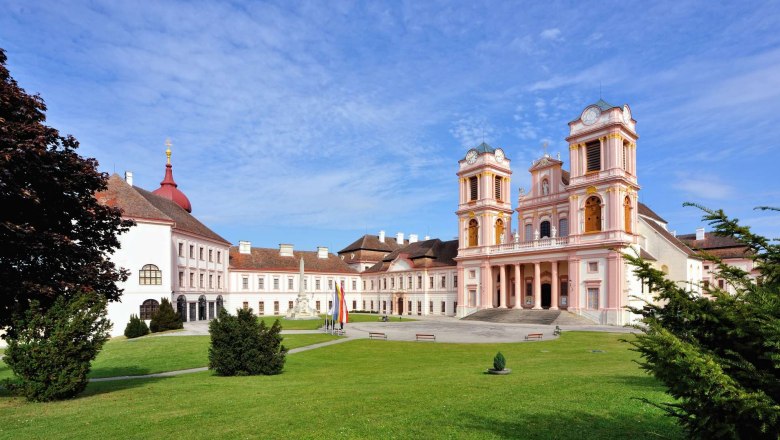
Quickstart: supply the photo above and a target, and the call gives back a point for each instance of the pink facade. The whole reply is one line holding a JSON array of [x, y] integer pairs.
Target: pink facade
[[570, 226]]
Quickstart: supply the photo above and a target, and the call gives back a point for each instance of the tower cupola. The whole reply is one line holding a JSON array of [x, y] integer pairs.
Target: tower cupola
[[168, 187]]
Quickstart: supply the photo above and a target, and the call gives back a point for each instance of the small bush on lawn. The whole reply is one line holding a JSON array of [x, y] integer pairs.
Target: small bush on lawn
[[136, 328], [499, 363], [51, 352], [165, 318], [242, 345]]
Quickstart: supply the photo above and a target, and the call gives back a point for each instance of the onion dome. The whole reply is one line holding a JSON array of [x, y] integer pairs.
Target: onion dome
[[168, 187]]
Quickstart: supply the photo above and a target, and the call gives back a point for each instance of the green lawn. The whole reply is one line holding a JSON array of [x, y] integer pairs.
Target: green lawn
[[377, 389], [155, 354], [314, 324]]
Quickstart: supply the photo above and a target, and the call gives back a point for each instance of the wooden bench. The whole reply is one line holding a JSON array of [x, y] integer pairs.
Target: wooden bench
[[537, 336], [425, 337], [377, 335]]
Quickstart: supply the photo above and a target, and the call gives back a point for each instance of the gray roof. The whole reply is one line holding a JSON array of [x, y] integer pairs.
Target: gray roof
[[603, 105], [484, 148]]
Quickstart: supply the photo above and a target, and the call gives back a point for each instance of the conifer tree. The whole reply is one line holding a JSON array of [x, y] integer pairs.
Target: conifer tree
[[719, 356], [165, 318]]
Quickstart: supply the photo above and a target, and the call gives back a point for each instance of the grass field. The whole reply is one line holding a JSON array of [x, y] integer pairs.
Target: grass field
[[132, 357], [314, 324], [377, 389]]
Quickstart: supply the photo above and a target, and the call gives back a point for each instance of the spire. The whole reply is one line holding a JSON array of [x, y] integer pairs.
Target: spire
[[168, 187]]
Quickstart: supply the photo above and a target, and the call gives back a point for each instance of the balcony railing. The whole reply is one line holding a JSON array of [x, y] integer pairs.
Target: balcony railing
[[513, 247]]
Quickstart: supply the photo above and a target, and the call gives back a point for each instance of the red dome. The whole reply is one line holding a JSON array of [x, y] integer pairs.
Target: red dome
[[168, 189]]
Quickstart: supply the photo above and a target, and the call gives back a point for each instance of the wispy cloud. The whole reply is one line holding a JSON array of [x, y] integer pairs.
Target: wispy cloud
[[553, 34]]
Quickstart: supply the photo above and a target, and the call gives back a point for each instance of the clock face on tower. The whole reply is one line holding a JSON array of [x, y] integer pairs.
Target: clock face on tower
[[471, 156], [499, 155], [590, 115]]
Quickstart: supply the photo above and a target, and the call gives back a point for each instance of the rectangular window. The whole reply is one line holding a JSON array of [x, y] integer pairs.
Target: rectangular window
[[430, 282], [593, 150], [330, 283], [443, 307], [443, 282], [330, 306], [384, 281], [563, 227], [261, 308], [409, 285], [593, 298], [419, 307], [181, 249], [354, 305], [290, 305], [246, 305], [400, 282], [454, 281], [289, 284], [219, 281], [410, 307], [384, 306], [372, 305], [245, 283], [192, 279], [529, 232], [593, 266], [472, 274], [192, 251], [498, 188], [473, 185], [181, 279], [319, 306], [211, 256], [276, 283], [260, 283], [625, 155], [419, 281], [276, 307], [706, 283], [430, 307], [372, 284], [211, 281], [219, 256], [364, 304], [706, 268], [392, 282], [317, 284], [721, 284], [200, 253], [364, 284]]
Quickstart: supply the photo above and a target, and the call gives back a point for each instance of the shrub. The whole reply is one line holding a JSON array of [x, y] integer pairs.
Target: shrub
[[499, 363], [136, 328], [718, 357], [242, 345], [165, 318], [51, 350]]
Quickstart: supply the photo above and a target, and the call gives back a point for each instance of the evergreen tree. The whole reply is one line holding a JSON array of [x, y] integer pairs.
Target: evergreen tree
[[136, 328], [719, 357], [165, 318], [242, 346], [55, 238]]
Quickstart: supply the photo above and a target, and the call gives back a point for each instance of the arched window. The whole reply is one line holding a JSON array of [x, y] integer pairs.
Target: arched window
[[529, 232], [499, 230], [149, 308], [202, 308], [627, 213], [563, 227], [473, 232], [544, 229], [150, 275], [181, 308], [220, 303], [545, 187], [592, 214]]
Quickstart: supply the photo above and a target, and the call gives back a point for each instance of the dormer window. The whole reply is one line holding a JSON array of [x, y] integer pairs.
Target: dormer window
[[473, 185], [593, 150]]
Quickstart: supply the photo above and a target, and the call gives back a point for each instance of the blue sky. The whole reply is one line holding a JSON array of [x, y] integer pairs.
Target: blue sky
[[314, 123]]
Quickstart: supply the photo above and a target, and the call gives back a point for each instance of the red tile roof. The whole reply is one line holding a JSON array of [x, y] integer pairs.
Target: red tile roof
[[428, 253], [372, 243], [723, 247], [268, 259], [647, 212]]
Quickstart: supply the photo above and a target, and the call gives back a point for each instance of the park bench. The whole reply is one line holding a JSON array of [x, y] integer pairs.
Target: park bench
[[557, 331], [537, 336], [377, 335], [426, 337]]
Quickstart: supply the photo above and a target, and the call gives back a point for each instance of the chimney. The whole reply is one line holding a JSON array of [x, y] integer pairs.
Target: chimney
[[412, 238], [285, 250], [381, 236], [322, 252], [129, 177], [399, 238], [674, 233], [700, 233], [427, 237], [244, 247]]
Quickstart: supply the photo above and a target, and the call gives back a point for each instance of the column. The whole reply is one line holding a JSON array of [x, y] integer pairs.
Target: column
[[462, 293], [518, 284], [554, 286], [537, 286], [487, 287], [502, 297]]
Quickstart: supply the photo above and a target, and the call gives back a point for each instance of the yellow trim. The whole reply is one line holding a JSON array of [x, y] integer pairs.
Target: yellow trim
[[591, 190]]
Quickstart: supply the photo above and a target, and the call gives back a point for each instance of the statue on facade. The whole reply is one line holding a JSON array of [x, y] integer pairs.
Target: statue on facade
[[536, 234], [554, 232]]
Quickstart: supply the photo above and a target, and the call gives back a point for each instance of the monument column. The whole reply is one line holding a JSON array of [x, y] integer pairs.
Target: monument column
[[537, 286], [554, 286], [502, 300]]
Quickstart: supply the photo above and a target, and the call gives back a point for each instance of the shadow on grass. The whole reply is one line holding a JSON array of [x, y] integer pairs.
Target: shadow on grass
[[636, 381], [97, 388], [130, 370], [572, 425]]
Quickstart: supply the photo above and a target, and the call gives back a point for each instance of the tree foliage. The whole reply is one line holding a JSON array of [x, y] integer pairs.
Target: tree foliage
[[55, 236], [53, 348], [718, 356], [241, 345], [136, 328], [165, 318], [499, 362]]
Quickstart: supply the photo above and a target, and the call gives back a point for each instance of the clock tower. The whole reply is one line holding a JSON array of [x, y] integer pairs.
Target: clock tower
[[484, 207]]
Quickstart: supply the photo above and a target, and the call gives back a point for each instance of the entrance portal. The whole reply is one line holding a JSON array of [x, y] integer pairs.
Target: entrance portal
[[400, 306], [546, 296]]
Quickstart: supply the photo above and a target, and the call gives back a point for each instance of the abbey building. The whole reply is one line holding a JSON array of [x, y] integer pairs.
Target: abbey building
[[559, 246]]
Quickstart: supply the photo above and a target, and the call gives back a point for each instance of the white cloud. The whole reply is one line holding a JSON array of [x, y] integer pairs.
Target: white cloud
[[705, 188], [553, 34]]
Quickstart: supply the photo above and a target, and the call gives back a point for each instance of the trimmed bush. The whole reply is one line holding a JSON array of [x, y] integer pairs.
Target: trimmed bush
[[136, 328], [52, 350], [165, 318], [499, 363], [242, 345]]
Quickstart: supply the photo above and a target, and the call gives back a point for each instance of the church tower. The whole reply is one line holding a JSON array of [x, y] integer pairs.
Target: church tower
[[603, 184], [484, 207]]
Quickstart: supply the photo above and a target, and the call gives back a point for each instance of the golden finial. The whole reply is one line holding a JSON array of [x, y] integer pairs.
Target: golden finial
[[168, 151]]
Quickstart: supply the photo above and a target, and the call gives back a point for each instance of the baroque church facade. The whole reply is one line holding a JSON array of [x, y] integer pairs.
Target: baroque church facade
[[559, 247]]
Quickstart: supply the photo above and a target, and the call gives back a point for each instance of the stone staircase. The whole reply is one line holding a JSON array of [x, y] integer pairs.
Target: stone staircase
[[526, 316]]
